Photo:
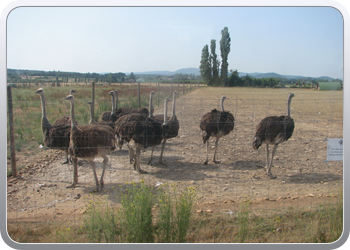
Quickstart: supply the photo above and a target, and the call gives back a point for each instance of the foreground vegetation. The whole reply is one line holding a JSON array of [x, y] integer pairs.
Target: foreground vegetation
[[165, 215]]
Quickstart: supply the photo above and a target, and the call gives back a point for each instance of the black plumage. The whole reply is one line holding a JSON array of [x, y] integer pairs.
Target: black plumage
[[55, 136], [274, 130], [89, 141], [172, 131], [140, 131], [216, 124]]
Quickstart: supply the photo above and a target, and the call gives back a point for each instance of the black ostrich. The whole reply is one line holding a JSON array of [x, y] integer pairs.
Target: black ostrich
[[172, 131], [216, 124], [55, 136], [274, 130], [140, 131], [66, 118], [127, 110], [89, 141], [102, 122], [109, 116]]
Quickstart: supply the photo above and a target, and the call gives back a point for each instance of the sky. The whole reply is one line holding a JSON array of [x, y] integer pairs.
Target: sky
[[306, 41]]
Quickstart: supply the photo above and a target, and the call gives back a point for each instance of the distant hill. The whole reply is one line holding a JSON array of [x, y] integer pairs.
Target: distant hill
[[188, 71]]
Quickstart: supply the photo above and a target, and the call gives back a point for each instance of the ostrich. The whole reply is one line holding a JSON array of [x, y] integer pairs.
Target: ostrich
[[109, 116], [125, 111], [66, 118], [173, 128], [274, 130], [55, 136], [89, 141], [217, 124], [106, 123], [141, 132]]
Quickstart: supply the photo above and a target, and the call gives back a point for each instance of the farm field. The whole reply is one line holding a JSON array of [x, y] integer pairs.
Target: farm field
[[304, 178]]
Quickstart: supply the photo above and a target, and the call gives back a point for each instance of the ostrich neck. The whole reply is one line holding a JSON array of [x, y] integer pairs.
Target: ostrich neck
[[72, 114], [288, 106], [112, 103], [43, 108], [91, 115], [116, 102], [165, 112], [174, 97], [44, 121], [150, 106], [222, 105]]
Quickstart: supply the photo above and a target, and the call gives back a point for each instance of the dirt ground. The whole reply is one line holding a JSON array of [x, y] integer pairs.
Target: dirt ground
[[304, 178]]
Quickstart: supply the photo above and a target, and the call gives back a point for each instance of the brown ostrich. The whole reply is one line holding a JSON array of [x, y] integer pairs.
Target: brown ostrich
[[216, 124], [274, 130], [55, 136], [109, 116], [89, 141], [172, 131], [141, 131]]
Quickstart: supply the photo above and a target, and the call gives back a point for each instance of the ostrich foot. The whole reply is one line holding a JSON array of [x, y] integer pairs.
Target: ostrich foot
[[269, 175], [217, 162], [140, 171], [66, 162], [150, 162], [73, 185], [97, 189], [206, 162]]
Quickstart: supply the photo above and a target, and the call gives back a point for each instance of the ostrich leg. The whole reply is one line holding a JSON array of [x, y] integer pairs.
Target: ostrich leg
[[206, 161], [150, 160], [268, 171], [105, 161], [161, 153], [267, 156], [216, 146], [137, 161], [67, 158], [75, 173], [93, 166]]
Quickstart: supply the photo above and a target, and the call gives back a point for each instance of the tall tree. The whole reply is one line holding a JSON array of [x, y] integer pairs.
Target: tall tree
[[205, 67], [225, 44], [215, 64]]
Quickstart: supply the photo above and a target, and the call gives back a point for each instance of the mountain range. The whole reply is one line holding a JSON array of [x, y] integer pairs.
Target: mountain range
[[196, 72]]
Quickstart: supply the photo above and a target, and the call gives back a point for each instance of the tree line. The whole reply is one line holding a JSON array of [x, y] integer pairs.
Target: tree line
[[18, 75]]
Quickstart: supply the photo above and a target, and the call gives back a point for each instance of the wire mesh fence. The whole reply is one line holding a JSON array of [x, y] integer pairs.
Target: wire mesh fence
[[305, 179]]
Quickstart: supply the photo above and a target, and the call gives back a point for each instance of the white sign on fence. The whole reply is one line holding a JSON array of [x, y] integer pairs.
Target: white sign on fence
[[335, 149]]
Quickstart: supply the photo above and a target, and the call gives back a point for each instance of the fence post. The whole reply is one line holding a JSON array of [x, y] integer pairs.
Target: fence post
[[183, 88], [139, 93], [12, 137], [171, 93]]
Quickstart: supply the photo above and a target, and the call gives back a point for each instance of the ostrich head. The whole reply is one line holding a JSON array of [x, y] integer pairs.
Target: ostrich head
[[73, 91], [40, 92]]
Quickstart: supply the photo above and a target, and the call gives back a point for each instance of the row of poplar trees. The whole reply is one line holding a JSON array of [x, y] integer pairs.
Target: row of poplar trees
[[209, 65]]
